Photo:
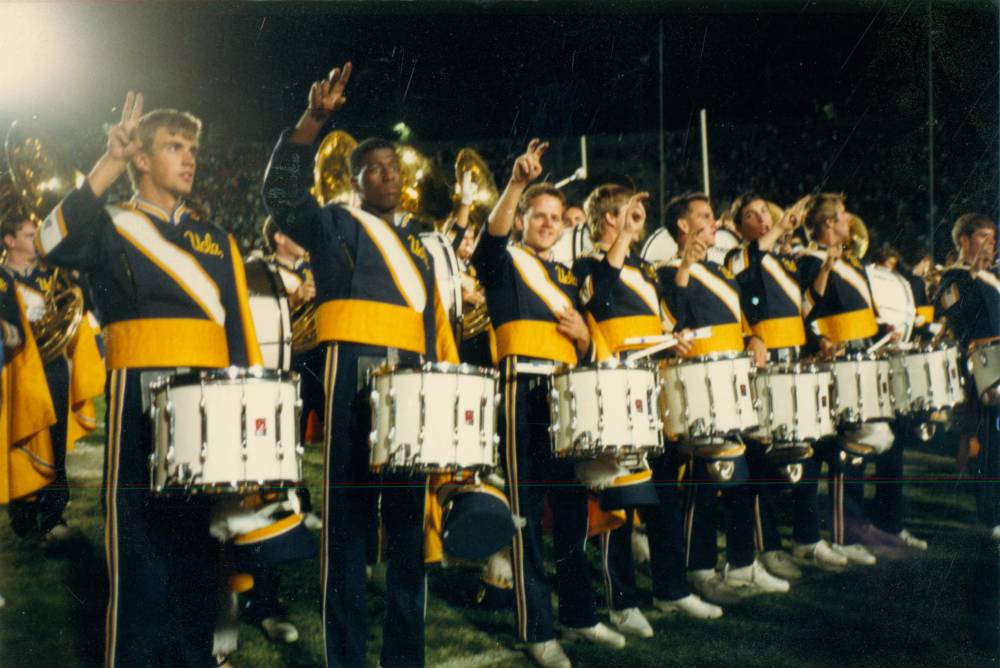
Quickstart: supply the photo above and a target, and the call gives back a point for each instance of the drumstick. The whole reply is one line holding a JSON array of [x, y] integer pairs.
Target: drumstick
[[668, 342], [700, 333], [881, 342]]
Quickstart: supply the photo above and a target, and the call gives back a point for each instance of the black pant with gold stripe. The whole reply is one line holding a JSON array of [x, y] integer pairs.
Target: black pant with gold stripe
[[45, 510], [163, 566], [532, 476], [350, 495], [700, 525]]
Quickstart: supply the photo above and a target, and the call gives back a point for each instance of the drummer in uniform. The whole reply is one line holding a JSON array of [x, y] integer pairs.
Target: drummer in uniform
[[772, 302], [619, 290], [377, 303], [292, 264], [840, 316], [902, 302], [172, 291], [697, 293], [969, 300], [534, 306]]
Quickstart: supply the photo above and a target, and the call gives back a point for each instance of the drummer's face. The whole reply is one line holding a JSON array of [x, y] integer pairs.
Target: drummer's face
[[543, 223], [980, 246], [701, 221], [755, 220], [842, 224]]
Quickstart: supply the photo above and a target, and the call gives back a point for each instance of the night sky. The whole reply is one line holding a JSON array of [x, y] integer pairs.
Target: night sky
[[468, 71]]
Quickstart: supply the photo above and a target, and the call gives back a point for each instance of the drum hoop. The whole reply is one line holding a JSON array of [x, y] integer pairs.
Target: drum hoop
[[606, 365], [462, 369], [231, 374], [791, 369], [700, 359]]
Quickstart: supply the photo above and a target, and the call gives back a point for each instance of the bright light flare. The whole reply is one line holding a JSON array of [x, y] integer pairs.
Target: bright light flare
[[35, 53]]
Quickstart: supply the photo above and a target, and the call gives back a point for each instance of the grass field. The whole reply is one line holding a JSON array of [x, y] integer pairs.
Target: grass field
[[901, 613]]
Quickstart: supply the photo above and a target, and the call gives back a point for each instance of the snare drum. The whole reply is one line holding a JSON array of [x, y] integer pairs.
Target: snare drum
[[225, 431], [433, 418], [705, 399], [605, 408], [984, 362], [926, 381], [269, 311], [793, 404], [861, 389], [447, 273]]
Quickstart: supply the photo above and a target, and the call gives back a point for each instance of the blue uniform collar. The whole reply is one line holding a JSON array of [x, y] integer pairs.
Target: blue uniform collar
[[174, 217]]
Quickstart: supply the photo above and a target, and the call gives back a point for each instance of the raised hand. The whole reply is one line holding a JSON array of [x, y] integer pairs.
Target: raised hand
[[528, 167], [694, 251], [123, 140], [327, 95], [632, 216]]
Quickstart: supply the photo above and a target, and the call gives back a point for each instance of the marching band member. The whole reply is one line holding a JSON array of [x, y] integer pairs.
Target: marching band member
[[969, 300], [295, 271], [839, 314], [771, 298], [26, 411], [912, 314], [619, 291], [42, 514], [534, 306], [377, 301], [172, 291], [697, 293]]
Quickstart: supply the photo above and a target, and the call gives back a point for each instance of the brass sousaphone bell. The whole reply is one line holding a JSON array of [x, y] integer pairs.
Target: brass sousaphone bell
[[475, 318], [39, 178]]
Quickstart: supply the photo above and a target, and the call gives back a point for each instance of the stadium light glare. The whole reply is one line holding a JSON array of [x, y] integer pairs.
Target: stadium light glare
[[34, 52]]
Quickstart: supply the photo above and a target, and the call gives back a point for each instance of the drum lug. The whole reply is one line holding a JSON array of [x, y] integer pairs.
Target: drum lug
[[203, 413], [721, 470], [792, 472]]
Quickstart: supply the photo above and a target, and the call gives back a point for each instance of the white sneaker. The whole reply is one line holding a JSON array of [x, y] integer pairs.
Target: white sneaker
[[754, 579], [279, 629], [632, 622], [691, 605], [779, 564], [548, 654], [912, 541], [710, 585], [599, 634], [856, 554], [819, 554]]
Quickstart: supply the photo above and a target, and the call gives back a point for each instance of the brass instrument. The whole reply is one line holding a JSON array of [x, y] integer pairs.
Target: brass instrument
[[475, 317], [304, 327], [426, 194], [857, 243], [332, 170], [39, 178]]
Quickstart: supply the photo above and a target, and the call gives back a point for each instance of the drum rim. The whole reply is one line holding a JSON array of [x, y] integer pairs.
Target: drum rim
[[461, 369], [792, 369], [711, 357], [224, 375], [606, 365]]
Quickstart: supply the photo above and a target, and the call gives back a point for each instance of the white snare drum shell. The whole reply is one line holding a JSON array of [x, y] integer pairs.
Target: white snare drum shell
[[705, 399], [433, 420], [794, 405], [244, 450], [604, 408]]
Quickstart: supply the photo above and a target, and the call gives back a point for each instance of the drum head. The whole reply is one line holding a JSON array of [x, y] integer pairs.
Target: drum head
[[659, 247], [447, 272]]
